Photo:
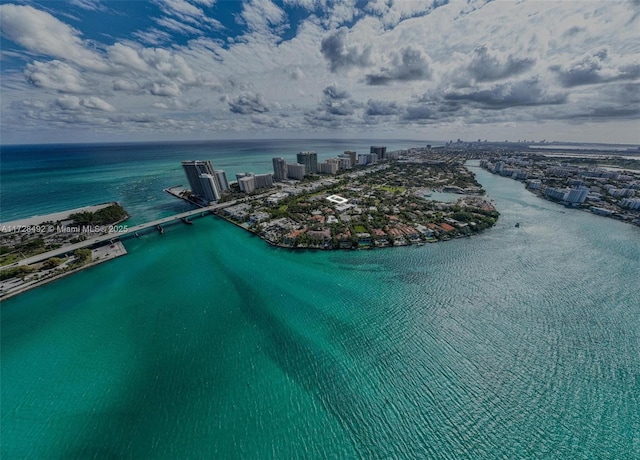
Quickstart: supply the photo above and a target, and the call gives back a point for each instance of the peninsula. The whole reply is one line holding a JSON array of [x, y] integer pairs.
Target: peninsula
[[379, 199], [374, 200], [604, 185]]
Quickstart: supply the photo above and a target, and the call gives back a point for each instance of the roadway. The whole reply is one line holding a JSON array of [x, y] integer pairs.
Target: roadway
[[65, 249]]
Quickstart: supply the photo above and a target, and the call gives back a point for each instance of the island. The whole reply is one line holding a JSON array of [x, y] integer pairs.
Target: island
[[25, 245], [383, 201], [375, 200]]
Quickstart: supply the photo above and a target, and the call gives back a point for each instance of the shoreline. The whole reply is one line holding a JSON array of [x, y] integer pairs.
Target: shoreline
[[353, 247], [54, 216], [98, 256], [589, 209]]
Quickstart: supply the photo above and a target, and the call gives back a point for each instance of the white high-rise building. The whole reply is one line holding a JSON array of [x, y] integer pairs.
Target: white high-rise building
[[630, 203], [330, 166], [223, 183], [247, 183], [279, 169], [309, 160], [263, 180], [353, 155], [344, 162], [295, 171], [577, 195], [210, 190], [193, 169]]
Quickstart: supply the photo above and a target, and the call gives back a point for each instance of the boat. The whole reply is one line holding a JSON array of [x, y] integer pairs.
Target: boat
[[517, 224]]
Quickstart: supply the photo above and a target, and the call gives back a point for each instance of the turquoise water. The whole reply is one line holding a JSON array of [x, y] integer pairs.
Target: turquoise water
[[38, 180], [444, 197], [207, 343]]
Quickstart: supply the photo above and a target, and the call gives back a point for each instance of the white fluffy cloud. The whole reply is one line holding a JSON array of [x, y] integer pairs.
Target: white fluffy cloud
[[341, 66], [56, 75], [75, 103], [40, 32]]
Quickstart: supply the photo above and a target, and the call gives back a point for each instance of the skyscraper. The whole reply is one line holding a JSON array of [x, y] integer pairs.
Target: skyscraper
[[247, 183], [279, 169], [209, 188], [352, 155], [295, 171], [380, 151], [221, 176], [309, 160], [193, 170], [577, 195]]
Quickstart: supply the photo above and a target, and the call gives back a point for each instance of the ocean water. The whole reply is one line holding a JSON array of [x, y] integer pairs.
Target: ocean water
[[205, 342], [38, 180]]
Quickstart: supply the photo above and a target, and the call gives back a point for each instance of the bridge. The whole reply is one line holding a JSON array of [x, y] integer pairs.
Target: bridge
[[126, 232]]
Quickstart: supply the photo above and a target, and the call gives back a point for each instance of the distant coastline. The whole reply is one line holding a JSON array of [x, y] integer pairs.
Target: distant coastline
[[40, 249], [382, 200], [385, 205]]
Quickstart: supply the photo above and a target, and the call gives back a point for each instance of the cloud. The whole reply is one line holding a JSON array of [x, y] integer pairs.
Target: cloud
[[262, 16], [55, 75], [296, 73], [161, 72], [180, 8], [152, 36], [41, 33], [249, 103], [95, 103], [392, 13], [177, 26], [76, 103], [68, 102], [332, 92], [90, 5], [306, 4], [382, 108], [126, 56], [344, 66], [409, 64], [120, 84], [598, 66], [488, 66], [271, 121], [189, 13], [420, 112], [335, 109], [167, 89], [341, 12], [511, 94], [602, 102], [336, 101], [341, 55]]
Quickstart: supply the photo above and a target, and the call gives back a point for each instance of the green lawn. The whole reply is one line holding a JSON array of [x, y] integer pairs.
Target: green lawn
[[359, 229], [390, 189]]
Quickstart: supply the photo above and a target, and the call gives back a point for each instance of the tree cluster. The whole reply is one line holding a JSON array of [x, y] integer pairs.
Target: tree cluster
[[104, 216]]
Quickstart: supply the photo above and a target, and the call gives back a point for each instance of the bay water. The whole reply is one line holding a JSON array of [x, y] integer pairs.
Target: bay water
[[205, 342]]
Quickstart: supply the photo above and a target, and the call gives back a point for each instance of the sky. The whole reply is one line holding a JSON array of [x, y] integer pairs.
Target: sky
[[133, 70]]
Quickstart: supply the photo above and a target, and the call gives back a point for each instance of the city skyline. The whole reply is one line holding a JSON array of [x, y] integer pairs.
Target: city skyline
[[97, 71]]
